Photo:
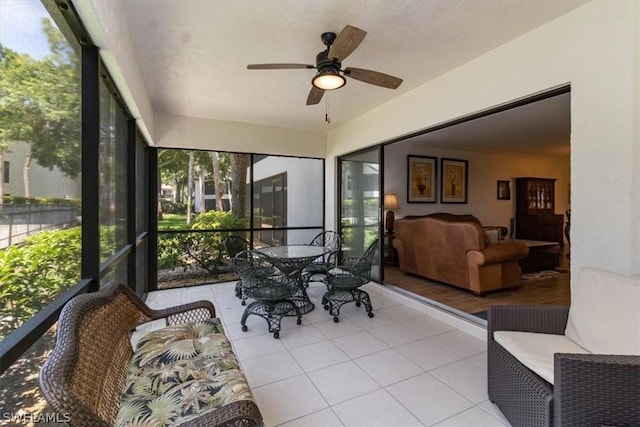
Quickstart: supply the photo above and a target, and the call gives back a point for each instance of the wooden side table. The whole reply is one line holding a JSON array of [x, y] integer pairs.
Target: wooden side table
[[390, 253]]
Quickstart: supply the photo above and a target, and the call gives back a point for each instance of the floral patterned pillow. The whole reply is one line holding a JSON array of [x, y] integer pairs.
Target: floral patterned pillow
[[179, 373]]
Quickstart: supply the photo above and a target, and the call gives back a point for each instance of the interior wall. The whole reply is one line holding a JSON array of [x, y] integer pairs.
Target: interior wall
[[595, 49], [484, 170]]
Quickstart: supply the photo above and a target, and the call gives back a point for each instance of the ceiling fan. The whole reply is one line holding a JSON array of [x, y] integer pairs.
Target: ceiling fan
[[330, 76]]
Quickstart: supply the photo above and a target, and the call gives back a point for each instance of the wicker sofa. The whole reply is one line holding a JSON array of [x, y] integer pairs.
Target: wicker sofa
[[578, 366], [455, 249], [182, 374]]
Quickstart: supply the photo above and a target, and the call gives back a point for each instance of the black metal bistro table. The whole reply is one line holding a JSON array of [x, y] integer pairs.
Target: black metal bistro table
[[292, 259]]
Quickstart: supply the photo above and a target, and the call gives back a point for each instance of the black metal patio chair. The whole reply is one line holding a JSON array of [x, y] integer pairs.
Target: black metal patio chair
[[270, 287], [317, 271], [233, 245], [344, 282]]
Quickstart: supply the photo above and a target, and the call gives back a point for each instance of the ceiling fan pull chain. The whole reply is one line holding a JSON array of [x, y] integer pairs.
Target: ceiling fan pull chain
[[327, 117]]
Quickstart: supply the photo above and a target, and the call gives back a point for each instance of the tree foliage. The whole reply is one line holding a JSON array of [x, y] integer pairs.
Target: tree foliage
[[59, 97], [203, 248], [40, 104], [173, 165]]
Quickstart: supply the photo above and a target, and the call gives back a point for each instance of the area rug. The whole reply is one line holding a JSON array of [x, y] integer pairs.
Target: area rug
[[544, 274]]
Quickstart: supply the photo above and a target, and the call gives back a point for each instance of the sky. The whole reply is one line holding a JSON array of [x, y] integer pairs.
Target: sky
[[21, 27]]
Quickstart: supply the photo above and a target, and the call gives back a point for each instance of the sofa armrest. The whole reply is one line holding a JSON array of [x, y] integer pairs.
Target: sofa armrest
[[498, 252], [190, 312], [596, 389], [543, 319]]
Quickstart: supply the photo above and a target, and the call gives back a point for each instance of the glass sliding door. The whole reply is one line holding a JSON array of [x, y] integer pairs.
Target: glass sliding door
[[359, 204]]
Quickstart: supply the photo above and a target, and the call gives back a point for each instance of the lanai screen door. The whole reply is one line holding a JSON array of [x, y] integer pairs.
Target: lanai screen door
[[359, 204]]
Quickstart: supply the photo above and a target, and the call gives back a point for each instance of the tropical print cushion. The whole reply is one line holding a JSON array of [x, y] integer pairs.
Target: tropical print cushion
[[179, 373]]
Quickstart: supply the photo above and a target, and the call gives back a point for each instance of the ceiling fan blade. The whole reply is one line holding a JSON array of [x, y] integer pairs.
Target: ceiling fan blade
[[277, 66], [315, 95], [347, 41], [373, 77]]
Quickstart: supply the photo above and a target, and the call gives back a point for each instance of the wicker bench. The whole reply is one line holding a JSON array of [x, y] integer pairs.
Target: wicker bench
[[183, 374]]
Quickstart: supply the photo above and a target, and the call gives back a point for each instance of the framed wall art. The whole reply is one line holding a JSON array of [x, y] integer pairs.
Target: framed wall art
[[421, 179], [504, 190], [453, 180]]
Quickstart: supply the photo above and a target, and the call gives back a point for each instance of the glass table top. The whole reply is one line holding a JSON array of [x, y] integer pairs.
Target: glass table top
[[294, 251]]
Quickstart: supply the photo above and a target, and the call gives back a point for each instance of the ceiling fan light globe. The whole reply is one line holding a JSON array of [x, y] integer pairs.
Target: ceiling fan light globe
[[328, 80]]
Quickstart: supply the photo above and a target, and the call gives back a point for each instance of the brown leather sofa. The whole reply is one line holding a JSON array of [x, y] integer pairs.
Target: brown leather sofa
[[454, 249]]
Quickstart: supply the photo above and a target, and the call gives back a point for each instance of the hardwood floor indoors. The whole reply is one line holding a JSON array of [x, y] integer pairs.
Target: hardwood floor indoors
[[554, 290]]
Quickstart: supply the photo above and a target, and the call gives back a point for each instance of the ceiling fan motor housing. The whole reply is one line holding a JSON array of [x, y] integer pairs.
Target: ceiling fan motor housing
[[323, 62], [328, 38], [322, 59]]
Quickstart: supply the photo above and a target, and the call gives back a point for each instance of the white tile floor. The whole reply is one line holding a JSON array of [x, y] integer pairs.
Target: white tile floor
[[410, 365]]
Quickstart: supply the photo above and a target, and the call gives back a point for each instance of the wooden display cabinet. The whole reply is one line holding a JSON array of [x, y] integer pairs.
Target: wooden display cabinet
[[535, 210]]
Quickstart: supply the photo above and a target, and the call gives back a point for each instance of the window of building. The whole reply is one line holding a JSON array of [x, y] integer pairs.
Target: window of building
[[6, 171]]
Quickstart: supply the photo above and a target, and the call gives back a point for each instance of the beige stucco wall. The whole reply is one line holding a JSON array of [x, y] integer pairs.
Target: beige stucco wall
[[594, 48], [484, 169]]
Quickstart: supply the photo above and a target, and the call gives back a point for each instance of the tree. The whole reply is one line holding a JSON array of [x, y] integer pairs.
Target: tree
[[40, 105], [172, 164], [21, 118], [215, 163], [202, 167], [189, 186], [239, 165], [60, 80], [202, 208]]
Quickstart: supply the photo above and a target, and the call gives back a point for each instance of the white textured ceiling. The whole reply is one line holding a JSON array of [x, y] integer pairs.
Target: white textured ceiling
[[194, 53], [541, 128]]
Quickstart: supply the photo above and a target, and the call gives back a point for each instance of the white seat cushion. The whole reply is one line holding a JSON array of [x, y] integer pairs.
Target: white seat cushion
[[604, 316], [535, 351]]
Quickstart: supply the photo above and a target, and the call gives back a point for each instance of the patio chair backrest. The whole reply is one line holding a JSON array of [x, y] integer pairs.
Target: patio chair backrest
[[259, 271], [362, 267], [328, 239], [85, 374], [233, 245]]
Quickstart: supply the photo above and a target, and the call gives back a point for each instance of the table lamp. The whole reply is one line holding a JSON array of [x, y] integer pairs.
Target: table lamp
[[390, 203]]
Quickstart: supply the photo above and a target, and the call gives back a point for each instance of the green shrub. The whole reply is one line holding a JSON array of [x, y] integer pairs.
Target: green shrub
[[34, 273], [206, 248], [171, 207], [172, 251]]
